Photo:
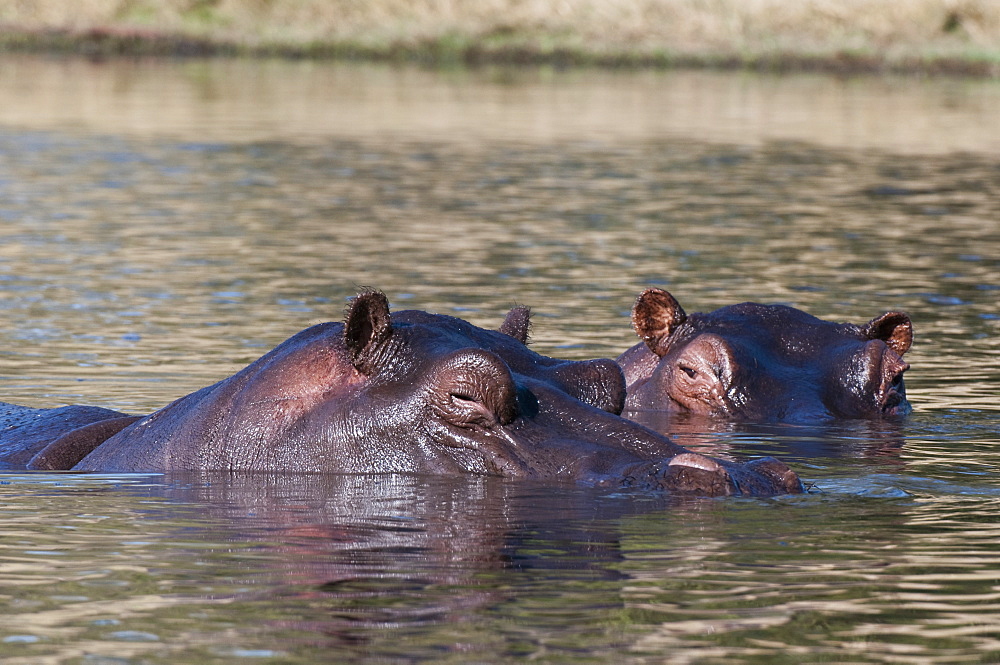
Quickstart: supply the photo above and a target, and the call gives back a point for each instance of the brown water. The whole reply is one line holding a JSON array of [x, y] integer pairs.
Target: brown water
[[164, 223]]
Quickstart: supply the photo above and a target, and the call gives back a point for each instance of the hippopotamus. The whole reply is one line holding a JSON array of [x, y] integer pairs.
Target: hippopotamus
[[412, 392], [764, 363]]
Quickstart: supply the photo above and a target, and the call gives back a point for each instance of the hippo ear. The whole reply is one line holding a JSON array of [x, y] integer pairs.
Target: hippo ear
[[893, 328], [517, 324], [366, 327], [655, 316]]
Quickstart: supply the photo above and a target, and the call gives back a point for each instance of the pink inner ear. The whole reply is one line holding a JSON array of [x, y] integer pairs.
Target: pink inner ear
[[655, 315], [893, 328]]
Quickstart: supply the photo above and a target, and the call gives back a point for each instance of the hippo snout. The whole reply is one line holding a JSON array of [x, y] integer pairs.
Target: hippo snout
[[893, 390], [775, 474], [692, 473]]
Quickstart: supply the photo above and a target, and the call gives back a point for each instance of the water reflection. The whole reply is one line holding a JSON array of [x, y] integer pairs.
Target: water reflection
[[223, 100], [873, 443], [442, 570], [861, 594], [368, 565]]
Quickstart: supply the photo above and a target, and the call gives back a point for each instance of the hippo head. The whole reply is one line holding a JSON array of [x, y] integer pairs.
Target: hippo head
[[472, 400], [764, 362], [415, 392]]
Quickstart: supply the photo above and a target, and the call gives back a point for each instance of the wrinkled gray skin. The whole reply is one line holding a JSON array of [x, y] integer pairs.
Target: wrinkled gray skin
[[411, 393], [764, 363]]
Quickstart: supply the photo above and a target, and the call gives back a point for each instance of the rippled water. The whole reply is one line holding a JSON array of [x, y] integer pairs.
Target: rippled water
[[164, 223]]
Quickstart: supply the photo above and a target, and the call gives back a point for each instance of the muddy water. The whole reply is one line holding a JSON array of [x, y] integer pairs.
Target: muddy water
[[164, 223]]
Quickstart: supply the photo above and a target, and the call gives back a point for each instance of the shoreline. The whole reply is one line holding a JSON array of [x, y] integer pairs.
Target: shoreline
[[524, 50]]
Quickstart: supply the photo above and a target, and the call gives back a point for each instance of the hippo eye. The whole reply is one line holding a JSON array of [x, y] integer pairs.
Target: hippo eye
[[690, 371], [463, 399], [472, 411], [471, 388]]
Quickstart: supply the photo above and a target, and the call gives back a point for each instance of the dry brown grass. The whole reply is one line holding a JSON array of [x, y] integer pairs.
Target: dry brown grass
[[712, 31]]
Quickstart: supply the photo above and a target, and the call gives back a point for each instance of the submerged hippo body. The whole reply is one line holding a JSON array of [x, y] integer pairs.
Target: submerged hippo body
[[414, 393], [764, 363], [25, 431]]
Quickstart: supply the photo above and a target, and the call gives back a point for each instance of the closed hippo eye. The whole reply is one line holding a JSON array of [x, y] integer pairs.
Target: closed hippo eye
[[473, 389], [470, 411]]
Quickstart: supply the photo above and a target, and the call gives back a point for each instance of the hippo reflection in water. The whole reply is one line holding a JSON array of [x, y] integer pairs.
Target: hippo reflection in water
[[411, 393], [764, 363]]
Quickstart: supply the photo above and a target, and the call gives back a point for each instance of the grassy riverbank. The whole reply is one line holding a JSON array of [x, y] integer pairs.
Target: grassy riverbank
[[956, 36]]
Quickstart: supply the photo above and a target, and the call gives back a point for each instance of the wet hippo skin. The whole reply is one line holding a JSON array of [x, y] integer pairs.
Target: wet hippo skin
[[411, 392], [764, 363]]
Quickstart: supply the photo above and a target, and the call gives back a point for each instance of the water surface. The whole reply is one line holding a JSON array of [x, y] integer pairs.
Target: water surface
[[164, 223]]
